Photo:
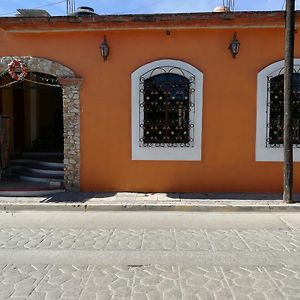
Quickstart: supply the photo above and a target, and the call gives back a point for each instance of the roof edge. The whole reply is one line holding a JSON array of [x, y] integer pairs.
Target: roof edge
[[132, 21]]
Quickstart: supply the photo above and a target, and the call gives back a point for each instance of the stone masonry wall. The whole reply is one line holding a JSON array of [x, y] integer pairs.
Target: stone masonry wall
[[71, 112]]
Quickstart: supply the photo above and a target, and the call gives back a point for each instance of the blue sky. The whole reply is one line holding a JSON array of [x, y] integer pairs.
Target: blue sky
[[8, 7]]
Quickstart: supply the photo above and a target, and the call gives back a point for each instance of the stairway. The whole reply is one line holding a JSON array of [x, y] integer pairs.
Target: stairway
[[37, 173]]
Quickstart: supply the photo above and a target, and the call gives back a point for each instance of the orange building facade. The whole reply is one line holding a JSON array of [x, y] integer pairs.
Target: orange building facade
[[225, 103]]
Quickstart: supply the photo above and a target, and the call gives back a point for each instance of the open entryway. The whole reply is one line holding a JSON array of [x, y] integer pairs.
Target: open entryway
[[33, 110], [40, 105]]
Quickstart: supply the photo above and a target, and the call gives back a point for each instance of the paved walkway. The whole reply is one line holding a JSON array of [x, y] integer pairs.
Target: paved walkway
[[149, 255], [151, 201]]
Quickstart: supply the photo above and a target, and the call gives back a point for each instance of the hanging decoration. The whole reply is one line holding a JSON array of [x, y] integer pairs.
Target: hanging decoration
[[17, 64], [11, 70], [42, 83]]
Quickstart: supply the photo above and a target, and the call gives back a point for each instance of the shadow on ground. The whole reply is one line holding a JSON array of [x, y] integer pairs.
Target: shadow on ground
[[235, 196], [83, 197], [76, 197]]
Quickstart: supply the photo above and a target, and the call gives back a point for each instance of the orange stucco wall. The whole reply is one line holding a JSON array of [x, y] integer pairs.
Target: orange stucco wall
[[229, 105]]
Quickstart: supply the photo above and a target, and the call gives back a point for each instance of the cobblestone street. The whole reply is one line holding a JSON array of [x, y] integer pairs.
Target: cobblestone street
[[158, 255]]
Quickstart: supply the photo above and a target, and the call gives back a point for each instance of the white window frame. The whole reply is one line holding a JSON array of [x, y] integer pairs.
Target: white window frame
[[263, 152], [166, 153]]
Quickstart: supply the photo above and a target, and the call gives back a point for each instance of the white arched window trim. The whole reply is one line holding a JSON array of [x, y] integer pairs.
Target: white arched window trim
[[166, 153], [263, 151]]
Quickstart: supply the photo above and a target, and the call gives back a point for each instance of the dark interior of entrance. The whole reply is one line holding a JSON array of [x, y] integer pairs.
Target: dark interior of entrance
[[35, 111]]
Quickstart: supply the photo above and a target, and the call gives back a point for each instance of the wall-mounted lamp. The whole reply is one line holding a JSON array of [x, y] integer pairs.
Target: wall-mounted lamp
[[104, 49], [234, 46]]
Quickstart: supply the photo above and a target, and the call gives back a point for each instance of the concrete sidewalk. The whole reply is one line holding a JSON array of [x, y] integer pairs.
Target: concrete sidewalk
[[205, 202]]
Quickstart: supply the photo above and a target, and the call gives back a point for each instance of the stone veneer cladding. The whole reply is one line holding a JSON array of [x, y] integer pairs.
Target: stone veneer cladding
[[71, 110]]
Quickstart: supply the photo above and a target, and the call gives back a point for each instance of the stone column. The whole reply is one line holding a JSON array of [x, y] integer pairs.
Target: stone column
[[71, 117]]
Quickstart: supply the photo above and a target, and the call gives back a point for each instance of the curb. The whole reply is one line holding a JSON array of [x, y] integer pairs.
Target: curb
[[181, 207]]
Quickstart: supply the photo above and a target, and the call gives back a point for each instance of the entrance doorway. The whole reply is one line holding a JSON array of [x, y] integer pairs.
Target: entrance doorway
[[67, 83], [35, 109]]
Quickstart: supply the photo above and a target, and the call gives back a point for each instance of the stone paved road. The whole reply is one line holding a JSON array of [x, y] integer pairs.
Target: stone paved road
[[158, 255]]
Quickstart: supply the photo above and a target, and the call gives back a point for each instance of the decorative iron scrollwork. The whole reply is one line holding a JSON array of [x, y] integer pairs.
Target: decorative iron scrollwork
[[275, 111], [167, 108]]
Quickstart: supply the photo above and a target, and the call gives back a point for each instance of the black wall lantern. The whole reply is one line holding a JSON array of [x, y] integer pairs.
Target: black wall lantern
[[104, 49], [234, 46]]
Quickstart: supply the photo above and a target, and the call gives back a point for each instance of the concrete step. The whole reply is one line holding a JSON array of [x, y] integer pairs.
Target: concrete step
[[51, 154], [35, 162], [16, 187], [46, 178], [54, 157], [38, 166], [30, 193], [38, 172]]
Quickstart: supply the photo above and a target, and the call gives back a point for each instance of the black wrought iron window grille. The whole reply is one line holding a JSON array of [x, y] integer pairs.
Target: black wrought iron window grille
[[275, 110], [167, 108]]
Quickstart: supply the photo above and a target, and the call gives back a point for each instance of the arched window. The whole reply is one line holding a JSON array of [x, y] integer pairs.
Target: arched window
[[275, 106], [166, 111], [270, 96]]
